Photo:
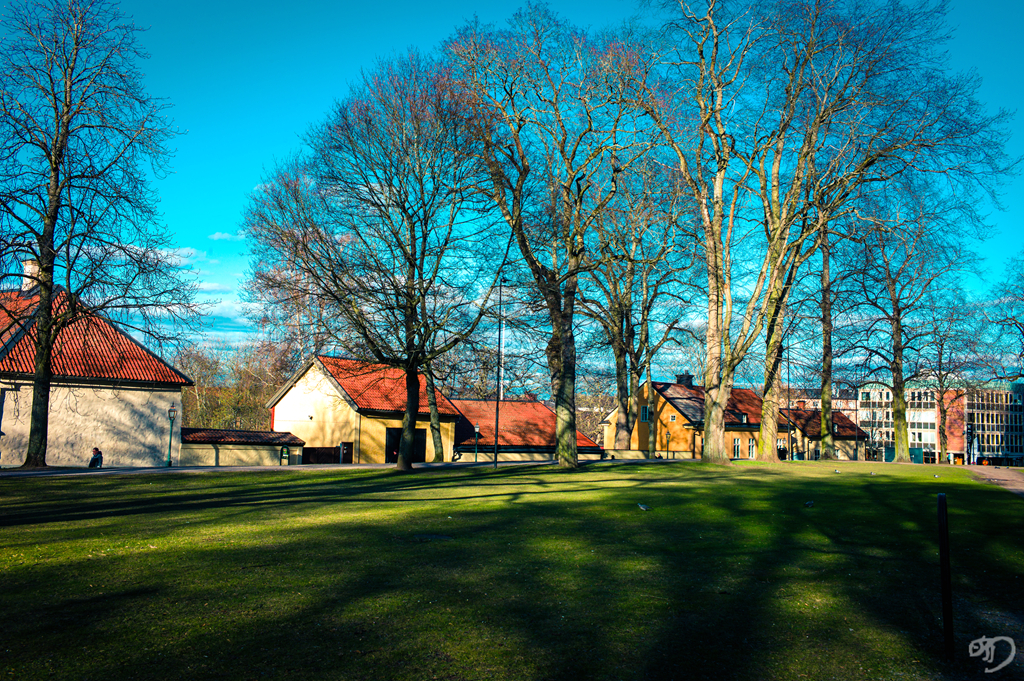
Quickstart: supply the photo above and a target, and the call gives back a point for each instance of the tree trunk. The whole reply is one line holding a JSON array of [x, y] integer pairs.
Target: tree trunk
[[943, 413], [828, 447], [652, 416], [717, 381], [769, 431], [435, 418], [899, 398], [623, 418], [412, 409]]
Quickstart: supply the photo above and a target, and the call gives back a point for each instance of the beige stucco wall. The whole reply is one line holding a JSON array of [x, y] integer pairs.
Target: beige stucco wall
[[845, 449], [314, 411], [235, 455], [129, 425]]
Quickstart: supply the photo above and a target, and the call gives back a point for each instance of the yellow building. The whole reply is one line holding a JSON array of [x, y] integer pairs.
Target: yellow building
[[350, 411], [676, 418]]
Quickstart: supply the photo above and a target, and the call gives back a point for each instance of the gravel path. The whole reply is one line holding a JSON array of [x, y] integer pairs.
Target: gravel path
[[1009, 478]]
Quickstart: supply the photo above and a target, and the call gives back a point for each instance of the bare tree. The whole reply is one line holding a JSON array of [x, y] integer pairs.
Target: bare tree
[[640, 283], [555, 129], [917, 242], [779, 113], [375, 241], [78, 137]]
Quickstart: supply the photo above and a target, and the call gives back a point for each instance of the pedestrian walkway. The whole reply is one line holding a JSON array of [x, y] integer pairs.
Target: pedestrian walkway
[[1008, 478]]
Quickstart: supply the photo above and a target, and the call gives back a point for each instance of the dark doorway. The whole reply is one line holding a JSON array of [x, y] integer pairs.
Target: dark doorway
[[346, 452], [394, 437], [321, 455]]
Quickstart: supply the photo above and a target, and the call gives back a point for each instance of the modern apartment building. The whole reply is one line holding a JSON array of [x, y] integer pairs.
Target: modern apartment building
[[986, 423]]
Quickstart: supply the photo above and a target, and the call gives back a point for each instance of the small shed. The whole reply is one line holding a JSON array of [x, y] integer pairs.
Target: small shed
[[217, 447]]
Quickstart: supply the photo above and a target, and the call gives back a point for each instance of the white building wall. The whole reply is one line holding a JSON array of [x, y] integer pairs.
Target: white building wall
[[129, 425]]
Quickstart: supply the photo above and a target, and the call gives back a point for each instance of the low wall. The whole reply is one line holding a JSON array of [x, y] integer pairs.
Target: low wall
[[640, 454], [236, 455]]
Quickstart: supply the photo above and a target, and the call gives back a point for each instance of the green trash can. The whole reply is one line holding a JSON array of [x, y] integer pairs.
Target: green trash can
[[284, 456]]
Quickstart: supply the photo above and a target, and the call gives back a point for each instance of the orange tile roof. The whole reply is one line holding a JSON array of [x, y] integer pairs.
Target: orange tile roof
[[521, 424], [809, 423], [90, 348], [377, 387]]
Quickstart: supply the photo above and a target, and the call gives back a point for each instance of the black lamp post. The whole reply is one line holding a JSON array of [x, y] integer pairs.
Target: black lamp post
[[476, 446], [501, 358], [172, 413]]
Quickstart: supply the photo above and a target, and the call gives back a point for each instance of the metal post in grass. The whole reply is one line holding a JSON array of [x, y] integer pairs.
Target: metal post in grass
[[501, 358], [476, 446], [947, 588], [171, 413]]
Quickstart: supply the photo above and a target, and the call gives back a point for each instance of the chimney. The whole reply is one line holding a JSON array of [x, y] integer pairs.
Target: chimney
[[685, 380], [801, 404], [31, 269]]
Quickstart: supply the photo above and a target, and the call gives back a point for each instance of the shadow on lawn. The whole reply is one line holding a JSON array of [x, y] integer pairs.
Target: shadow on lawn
[[566, 579]]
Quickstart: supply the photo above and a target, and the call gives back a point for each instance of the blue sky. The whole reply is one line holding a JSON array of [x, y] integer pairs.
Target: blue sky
[[246, 80]]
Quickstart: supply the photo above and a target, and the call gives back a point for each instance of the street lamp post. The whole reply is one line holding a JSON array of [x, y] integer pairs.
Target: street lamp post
[[497, 403], [171, 414], [476, 447]]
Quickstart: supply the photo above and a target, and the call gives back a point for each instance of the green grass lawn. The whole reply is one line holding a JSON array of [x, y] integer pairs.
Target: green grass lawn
[[525, 573]]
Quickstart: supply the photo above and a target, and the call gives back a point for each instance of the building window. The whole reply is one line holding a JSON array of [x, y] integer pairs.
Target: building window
[[751, 448], [645, 414], [735, 448], [672, 417]]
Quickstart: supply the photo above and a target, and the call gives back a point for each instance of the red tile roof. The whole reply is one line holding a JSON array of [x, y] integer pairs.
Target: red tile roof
[[247, 437], [808, 421], [376, 387], [89, 348], [521, 424]]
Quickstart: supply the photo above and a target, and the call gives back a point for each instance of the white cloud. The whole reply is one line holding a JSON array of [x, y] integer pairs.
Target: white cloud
[[224, 236], [214, 287]]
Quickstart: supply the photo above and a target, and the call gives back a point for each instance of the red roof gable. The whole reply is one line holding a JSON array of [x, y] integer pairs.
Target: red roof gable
[[521, 424], [89, 348], [377, 387]]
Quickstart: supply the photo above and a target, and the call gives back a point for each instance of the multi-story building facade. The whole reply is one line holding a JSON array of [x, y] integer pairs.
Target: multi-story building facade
[[986, 423]]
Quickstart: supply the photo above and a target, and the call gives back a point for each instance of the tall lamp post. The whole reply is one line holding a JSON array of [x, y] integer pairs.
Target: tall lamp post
[[476, 447], [171, 414], [501, 358]]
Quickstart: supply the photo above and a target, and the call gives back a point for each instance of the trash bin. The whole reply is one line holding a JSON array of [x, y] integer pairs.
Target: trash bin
[[284, 456]]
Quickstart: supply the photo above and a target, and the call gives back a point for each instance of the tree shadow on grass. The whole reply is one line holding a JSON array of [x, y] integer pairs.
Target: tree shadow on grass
[[552, 576]]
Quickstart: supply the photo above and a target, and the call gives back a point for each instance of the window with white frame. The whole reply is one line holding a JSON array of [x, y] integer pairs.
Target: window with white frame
[[751, 448], [735, 448]]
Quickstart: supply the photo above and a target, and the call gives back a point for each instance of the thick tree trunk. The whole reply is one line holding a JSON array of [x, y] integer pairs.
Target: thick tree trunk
[[43, 325], [412, 409], [828, 447], [943, 417], [652, 414], [901, 435], [717, 380], [769, 431], [435, 418], [562, 355], [35, 457], [623, 418]]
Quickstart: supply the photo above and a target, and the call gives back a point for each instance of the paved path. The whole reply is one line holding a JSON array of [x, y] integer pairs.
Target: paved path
[[1008, 478]]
